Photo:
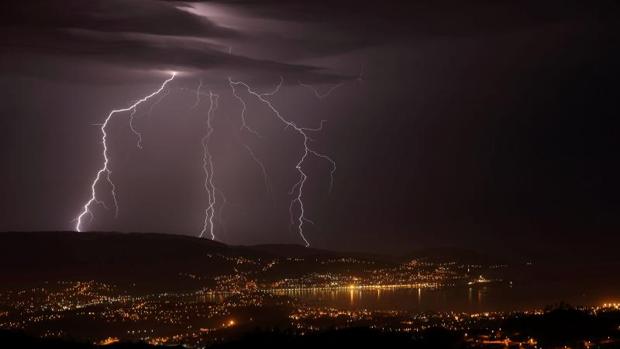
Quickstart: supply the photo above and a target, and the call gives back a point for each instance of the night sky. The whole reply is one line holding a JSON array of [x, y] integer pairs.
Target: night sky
[[481, 124]]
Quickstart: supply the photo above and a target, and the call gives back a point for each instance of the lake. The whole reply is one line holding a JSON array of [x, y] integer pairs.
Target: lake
[[532, 287]]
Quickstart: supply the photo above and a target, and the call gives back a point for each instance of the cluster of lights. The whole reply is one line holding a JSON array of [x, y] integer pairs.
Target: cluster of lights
[[611, 305]]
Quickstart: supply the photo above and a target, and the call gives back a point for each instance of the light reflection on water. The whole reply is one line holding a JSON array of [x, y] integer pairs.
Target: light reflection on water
[[212, 297], [466, 299], [496, 297], [532, 288]]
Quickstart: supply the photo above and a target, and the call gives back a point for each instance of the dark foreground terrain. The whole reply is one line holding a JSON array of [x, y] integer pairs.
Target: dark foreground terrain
[[72, 290], [356, 337], [563, 327]]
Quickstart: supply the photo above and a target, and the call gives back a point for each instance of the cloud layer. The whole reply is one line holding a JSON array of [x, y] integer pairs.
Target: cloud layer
[[98, 38]]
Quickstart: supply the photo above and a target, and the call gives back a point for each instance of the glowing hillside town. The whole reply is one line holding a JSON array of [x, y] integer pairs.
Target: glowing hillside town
[[254, 296]]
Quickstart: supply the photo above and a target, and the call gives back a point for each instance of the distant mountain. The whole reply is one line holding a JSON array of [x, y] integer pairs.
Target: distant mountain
[[131, 257], [147, 259], [172, 262], [454, 254], [290, 250], [298, 251]]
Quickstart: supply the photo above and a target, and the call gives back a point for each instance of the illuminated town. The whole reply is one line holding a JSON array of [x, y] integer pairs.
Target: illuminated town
[[252, 297]]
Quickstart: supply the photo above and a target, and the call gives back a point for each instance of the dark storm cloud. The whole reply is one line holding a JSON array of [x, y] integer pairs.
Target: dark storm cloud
[[395, 19], [137, 16], [36, 52], [342, 26], [113, 40], [51, 39]]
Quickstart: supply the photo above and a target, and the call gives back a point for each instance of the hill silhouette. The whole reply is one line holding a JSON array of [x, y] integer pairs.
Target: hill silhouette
[[454, 254], [143, 258], [156, 261]]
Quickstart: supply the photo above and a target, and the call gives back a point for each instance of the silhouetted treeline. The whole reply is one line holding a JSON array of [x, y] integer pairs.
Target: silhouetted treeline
[[565, 326], [556, 328], [348, 338], [19, 340]]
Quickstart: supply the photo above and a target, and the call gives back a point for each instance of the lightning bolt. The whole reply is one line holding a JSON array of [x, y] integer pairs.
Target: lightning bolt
[[157, 101], [246, 127], [297, 189], [133, 129], [208, 168], [198, 93], [105, 171], [244, 122], [135, 110], [260, 165], [318, 94]]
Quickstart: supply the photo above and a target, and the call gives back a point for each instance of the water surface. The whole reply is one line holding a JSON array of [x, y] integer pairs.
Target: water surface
[[532, 287]]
